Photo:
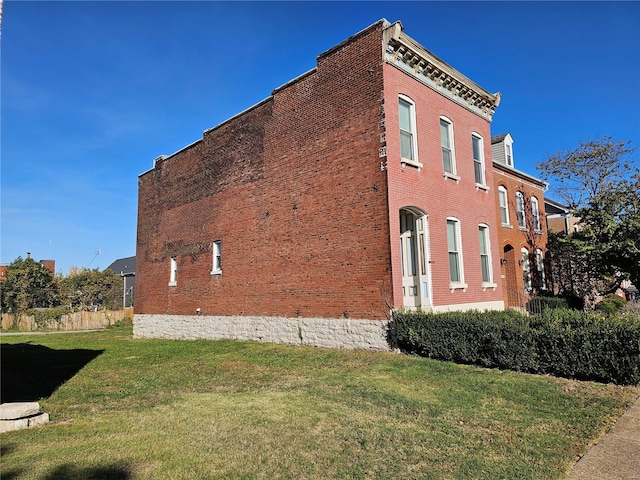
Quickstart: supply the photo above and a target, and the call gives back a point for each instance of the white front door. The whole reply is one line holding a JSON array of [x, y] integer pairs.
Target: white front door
[[414, 260]]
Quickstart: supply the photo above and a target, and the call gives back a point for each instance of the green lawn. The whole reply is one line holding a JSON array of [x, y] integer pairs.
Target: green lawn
[[162, 409]]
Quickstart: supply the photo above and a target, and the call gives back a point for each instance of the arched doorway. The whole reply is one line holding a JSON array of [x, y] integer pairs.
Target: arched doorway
[[414, 259]]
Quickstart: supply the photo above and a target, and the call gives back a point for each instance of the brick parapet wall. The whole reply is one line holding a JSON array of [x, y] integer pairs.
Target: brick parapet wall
[[293, 190]]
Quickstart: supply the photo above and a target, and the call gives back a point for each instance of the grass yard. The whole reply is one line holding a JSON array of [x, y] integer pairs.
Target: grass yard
[[163, 409]]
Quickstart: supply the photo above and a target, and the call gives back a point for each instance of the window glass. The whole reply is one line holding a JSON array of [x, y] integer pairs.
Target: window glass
[[405, 114], [173, 273], [535, 214], [485, 261], [478, 166], [447, 151], [526, 269], [504, 211], [520, 209], [454, 254], [217, 257]]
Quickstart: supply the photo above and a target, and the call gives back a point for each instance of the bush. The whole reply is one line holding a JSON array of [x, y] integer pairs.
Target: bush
[[562, 342], [491, 339], [611, 304]]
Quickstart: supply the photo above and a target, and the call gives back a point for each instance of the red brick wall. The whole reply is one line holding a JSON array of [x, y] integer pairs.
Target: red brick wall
[[437, 196], [293, 190], [512, 274]]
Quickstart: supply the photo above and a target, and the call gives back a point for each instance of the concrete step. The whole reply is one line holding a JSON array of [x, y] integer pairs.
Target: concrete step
[[13, 411], [14, 416]]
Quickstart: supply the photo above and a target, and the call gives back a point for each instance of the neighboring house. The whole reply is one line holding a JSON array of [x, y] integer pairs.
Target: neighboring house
[[361, 186], [559, 217], [48, 264], [522, 231], [126, 268]]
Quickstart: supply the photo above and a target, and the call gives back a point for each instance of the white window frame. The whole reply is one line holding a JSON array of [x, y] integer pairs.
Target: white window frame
[[173, 272], [478, 162], [535, 213], [526, 269], [413, 132], [216, 251], [483, 232], [503, 199], [457, 240], [540, 266], [444, 121], [520, 213], [508, 154]]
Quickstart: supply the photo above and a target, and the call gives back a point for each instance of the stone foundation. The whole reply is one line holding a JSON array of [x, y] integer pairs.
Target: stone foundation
[[318, 332]]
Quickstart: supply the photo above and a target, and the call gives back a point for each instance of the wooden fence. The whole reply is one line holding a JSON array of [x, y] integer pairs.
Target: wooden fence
[[68, 321]]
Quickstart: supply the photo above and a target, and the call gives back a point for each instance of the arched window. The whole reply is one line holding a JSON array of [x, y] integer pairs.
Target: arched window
[[485, 254], [540, 266], [520, 209], [526, 269], [407, 118], [535, 213], [456, 272], [446, 140], [173, 272], [504, 208], [477, 146]]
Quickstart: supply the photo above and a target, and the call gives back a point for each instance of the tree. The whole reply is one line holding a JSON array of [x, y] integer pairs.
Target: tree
[[28, 285], [85, 289], [600, 184]]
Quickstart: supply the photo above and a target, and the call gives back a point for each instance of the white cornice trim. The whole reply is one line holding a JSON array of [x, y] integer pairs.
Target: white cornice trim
[[411, 57]]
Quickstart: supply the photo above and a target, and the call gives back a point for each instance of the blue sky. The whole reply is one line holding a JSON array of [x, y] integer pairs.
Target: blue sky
[[92, 92]]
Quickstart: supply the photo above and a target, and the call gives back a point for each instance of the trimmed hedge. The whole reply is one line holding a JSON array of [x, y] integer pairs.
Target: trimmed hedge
[[561, 342]]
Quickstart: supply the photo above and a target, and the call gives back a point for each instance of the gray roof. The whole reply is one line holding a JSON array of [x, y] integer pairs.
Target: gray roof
[[498, 138], [124, 266]]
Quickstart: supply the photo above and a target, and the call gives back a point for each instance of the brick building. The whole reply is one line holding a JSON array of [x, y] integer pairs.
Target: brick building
[[559, 217], [522, 232], [358, 187]]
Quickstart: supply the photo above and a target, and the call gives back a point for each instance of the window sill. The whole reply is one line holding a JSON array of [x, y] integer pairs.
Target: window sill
[[486, 285], [480, 186], [216, 272], [453, 286], [522, 229], [451, 176], [412, 163], [507, 225], [173, 284]]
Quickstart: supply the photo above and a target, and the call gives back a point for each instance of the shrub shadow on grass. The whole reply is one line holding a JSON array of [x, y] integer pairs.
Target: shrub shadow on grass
[[32, 372]]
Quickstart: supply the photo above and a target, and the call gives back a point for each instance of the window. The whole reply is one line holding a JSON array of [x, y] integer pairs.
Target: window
[[520, 209], [173, 272], [407, 117], [478, 158], [455, 255], [526, 269], [504, 209], [540, 266], [485, 254], [508, 154], [446, 140], [217, 258], [535, 213]]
